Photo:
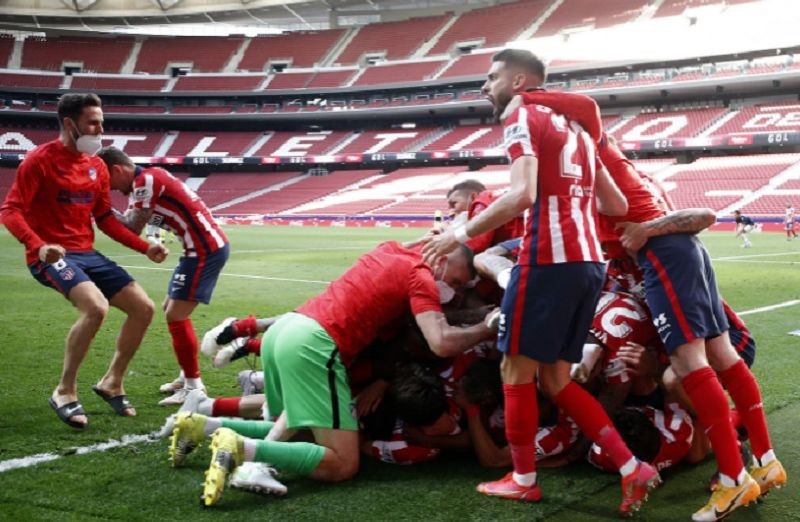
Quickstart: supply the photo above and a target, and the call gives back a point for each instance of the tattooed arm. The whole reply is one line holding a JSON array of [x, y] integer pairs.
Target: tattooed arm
[[134, 219], [688, 221]]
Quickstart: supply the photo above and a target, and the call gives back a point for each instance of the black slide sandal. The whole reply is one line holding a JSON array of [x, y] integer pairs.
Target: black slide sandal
[[119, 404], [68, 410]]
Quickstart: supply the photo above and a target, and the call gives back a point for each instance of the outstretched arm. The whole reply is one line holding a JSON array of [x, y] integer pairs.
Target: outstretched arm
[[688, 221], [448, 341], [134, 219]]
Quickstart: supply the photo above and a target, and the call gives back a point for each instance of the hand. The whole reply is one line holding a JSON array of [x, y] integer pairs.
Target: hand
[[640, 360], [368, 400], [492, 319], [634, 235], [514, 104], [414, 435], [157, 253], [438, 245], [51, 253]]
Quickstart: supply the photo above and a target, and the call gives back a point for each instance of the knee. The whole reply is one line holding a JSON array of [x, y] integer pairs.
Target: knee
[[346, 471], [144, 311], [97, 310], [550, 387]]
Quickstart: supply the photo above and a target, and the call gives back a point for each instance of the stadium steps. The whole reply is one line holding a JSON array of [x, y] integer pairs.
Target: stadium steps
[[165, 144], [427, 46], [257, 193], [718, 123], [15, 58], [170, 84], [528, 33], [353, 79], [315, 203], [471, 138], [130, 62], [236, 59], [194, 183], [66, 83], [649, 11], [257, 144], [344, 143], [430, 138], [339, 48], [791, 172]]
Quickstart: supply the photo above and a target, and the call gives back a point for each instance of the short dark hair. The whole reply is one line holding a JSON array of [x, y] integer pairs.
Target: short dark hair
[[470, 185], [418, 395], [113, 156], [639, 433], [71, 105], [482, 382], [524, 59], [469, 257]]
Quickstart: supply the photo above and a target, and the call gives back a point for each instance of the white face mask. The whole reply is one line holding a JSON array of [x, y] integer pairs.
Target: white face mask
[[446, 292], [88, 144]]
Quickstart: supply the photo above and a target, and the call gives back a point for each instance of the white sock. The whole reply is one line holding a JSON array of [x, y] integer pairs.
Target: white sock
[[205, 407], [194, 383], [212, 425], [249, 450], [729, 482], [765, 459], [525, 479], [182, 376], [503, 277], [629, 467]]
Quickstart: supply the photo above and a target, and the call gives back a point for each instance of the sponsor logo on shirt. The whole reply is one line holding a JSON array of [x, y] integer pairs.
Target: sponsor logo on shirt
[[80, 197], [515, 133], [141, 194]]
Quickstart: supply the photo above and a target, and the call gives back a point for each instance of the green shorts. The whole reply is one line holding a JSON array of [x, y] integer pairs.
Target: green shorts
[[304, 375]]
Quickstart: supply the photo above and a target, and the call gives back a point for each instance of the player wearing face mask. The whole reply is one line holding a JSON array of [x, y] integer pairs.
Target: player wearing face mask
[[58, 189]]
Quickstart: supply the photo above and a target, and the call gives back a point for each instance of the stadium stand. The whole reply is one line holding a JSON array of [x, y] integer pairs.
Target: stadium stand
[[205, 54], [307, 189], [219, 188], [774, 117], [284, 143], [6, 180], [395, 40], [287, 80], [670, 124], [399, 73], [218, 83], [330, 78], [468, 137], [95, 54], [493, 26], [573, 13], [302, 49], [770, 205], [110, 83], [388, 140], [196, 143], [39, 81], [6, 48], [202, 109], [468, 65]]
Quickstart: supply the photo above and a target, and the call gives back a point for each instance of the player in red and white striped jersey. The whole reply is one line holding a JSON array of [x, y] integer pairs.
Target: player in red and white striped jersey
[[158, 198]]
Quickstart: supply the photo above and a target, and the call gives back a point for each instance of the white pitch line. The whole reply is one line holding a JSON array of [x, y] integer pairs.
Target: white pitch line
[[770, 307], [270, 250], [243, 276], [33, 460], [760, 261], [749, 256]]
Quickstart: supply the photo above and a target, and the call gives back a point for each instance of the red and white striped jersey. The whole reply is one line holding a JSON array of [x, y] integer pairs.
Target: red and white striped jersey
[[178, 209], [560, 226], [676, 430]]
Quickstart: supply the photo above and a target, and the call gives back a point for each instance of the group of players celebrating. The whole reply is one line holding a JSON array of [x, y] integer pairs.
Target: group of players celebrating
[[575, 315]]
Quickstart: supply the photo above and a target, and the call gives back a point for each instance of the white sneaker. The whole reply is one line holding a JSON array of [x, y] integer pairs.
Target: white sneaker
[[230, 352], [258, 477], [173, 386], [166, 429], [193, 400], [177, 398], [210, 346], [251, 382]]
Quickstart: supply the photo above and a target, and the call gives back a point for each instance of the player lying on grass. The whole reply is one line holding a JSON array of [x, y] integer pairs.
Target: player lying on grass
[[158, 198], [682, 296], [304, 355]]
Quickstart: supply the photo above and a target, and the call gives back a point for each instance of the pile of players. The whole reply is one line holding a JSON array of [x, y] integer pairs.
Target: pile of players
[[623, 363]]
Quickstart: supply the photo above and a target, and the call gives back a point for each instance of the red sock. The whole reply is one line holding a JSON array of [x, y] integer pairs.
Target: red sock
[[713, 412], [254, 346], [522, 421], [736, 419], [226, 407], [184, 344], [743, 389], [593, 421], [245, 327]]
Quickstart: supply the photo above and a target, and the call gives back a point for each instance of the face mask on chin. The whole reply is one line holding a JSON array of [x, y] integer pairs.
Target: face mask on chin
[[86, 143], [446, 292]]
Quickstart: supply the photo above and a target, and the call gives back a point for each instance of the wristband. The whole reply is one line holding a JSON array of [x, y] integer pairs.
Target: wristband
[[461, 235]]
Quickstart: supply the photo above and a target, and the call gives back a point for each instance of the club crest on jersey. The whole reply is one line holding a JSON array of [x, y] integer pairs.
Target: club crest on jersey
[[92, 173], [142, 193], [67, 274]]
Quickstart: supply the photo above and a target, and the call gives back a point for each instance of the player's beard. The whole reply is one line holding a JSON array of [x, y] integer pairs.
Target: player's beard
[[501, 101]]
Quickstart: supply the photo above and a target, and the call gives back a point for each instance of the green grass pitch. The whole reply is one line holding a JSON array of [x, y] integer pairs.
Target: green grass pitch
[[272, 270]]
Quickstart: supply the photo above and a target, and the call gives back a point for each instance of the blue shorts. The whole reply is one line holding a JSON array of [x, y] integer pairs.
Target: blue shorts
[[194, 278], [510, 244], [743, 343], [681, 290], [547, 310], [76, 267]]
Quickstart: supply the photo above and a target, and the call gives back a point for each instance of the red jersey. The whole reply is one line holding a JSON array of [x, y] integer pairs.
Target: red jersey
[[560, 227], [620, 318], [381, 286], [178, 209], [676, 430], [511, 230], [397, 450], [55, 194]]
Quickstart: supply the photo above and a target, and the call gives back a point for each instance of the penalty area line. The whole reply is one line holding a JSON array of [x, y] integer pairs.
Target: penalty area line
[[242, 276], [770, 307], [33, 460]]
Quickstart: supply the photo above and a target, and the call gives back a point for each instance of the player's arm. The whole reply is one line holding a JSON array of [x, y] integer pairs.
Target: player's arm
[[610, 200], [688, 221], [520, 196], [493, 262], [489, 454], [416, 437], [12, 213], [134, 219], [448, 341]]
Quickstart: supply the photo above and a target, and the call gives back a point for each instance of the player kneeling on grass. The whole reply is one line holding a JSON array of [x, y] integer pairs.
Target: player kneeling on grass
[[158, 198], [304, 355]]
